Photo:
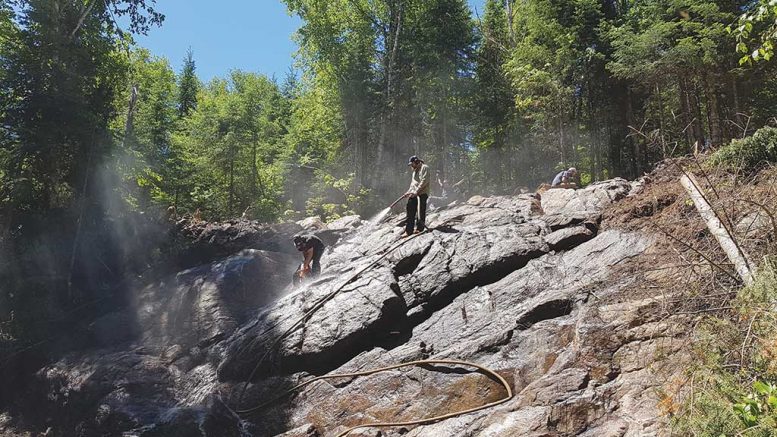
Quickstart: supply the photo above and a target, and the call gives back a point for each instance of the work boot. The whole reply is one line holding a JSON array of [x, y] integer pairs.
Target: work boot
[[405, 235], [418, 231]]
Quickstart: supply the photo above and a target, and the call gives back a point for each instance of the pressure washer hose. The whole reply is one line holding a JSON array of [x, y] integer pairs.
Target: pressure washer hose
[[321, 303], [484, 370], [397, 201]]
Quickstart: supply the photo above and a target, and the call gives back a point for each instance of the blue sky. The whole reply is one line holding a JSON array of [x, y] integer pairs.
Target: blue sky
[[251, 35]]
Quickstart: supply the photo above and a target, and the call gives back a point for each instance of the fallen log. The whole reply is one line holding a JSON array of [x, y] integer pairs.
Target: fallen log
[[735, 254]]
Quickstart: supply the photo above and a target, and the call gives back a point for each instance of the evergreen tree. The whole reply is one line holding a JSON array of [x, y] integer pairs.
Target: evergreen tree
[[188, 86], [493, 100], [234, 141]]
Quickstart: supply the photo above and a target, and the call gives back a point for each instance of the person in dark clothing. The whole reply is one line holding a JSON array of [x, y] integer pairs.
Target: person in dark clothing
[[418, 194], [312, 249]]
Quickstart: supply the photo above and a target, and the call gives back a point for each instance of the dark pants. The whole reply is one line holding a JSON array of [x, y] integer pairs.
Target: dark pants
[[411, 222]]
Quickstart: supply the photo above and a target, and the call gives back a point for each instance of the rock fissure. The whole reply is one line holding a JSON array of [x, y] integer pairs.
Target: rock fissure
[[549, 310], [407, 265]]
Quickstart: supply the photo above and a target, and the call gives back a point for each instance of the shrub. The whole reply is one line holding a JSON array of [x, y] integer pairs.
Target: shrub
[[749, 153], [734, 380]]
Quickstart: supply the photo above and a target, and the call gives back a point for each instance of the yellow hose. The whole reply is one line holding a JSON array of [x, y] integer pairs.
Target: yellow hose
[[484, 370]]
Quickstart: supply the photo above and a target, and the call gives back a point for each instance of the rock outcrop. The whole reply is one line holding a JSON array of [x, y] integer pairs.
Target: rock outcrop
[[530, 287]]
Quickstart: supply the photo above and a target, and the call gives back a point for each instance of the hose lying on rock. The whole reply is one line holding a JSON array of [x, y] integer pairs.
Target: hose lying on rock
[[321, 303], [482, 369]]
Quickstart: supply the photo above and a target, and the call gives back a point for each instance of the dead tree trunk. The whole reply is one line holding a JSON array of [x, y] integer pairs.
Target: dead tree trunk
[[727, 242]]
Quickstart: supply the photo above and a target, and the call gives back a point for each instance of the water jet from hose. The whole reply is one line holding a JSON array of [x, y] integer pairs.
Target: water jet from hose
[[377, 218]]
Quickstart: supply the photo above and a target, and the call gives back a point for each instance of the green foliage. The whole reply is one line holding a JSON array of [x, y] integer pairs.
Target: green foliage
[[56, 105], [496, 128], [729, 399], [63, 67], [756, 31], [234, 141], [337, 197], [759, 406], [749, 153], [60, 74], [149, 161], [395, 78]]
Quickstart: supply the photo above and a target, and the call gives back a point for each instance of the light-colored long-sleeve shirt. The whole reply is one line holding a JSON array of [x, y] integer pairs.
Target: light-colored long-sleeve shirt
[[562, 177], [419, 183]]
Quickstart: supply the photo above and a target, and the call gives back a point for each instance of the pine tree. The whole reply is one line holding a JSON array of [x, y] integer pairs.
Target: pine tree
[[493, 100], [187, 97]]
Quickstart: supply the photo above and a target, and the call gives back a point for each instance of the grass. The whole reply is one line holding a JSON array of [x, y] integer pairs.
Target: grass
[[733, 383]]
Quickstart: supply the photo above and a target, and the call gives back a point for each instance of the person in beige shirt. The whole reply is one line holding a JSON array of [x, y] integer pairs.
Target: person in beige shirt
[[417, 194]]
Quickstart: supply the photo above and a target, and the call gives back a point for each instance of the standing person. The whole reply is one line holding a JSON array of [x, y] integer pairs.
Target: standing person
[[312, 249], [417, 194], [565, 179]]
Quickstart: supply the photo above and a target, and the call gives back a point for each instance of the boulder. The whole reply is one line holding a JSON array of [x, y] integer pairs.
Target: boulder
[[591, 199], [313, 223], [568, 238], [205, 304], [349, 222], [205, 242]]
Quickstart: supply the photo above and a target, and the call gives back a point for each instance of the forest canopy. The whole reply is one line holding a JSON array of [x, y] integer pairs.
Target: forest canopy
[[500, 98]]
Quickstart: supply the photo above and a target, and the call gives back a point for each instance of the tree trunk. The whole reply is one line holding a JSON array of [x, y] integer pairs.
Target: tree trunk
[[741, 261], [685, 103], [129, 123], [79, 226], [85, 10], [661, 122], [593, 143], [395, 28], [713, 111], [636, 168], [696, 107], [737, 112], [254, 169], [510, 15], [561, 145], [444, 140], [231, 205]]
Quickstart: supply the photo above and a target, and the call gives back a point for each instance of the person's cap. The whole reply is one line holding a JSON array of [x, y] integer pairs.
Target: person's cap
[[573, 170], [412, 159]]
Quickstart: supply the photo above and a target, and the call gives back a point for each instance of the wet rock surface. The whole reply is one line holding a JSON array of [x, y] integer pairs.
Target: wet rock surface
[[527, 286]]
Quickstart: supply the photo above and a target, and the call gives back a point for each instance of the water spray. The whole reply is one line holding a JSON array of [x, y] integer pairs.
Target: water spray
[[381, 215]]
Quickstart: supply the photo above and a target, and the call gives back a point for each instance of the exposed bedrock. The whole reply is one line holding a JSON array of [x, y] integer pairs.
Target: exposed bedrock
[[528, 286]]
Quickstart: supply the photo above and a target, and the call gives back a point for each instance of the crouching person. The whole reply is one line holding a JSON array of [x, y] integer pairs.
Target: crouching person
[[565, 179], [312, 249]]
